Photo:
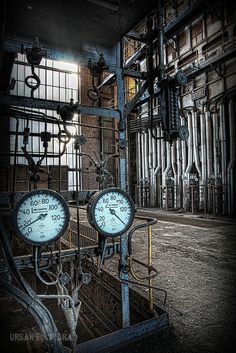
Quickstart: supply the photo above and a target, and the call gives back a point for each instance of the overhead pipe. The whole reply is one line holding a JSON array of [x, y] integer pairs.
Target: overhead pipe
[[231, 165]]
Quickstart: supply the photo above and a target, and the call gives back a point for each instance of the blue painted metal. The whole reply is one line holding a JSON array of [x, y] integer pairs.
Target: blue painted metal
[[13, 45], [129, 334], [52, 105]]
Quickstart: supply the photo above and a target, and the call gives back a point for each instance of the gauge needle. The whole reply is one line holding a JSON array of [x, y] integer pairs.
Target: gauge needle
[[113, 212], [40, 218]]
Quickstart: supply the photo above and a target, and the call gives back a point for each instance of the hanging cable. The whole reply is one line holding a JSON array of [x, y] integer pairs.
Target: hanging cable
[[37, 270], [28, 297]]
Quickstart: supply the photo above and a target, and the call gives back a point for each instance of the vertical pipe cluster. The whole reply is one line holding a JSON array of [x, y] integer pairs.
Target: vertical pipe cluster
[[197, 174]]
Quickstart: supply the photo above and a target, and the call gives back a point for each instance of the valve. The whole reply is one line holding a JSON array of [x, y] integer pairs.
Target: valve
[[45, 138], [67, 111], [35, 54], [96, 69]]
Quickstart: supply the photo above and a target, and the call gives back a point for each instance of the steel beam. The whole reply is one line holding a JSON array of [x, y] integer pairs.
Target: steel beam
[[211, 64], [27, 261], [135, 74], [129, 107], [190, 13], [14, 45], [140, 37], [52, 105], [208, 65]]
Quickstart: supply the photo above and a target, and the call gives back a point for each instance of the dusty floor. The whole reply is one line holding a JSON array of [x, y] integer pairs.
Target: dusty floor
[[197, 267]]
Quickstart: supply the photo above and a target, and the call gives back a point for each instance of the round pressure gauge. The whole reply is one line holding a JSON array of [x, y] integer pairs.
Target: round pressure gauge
[[111, 212], [41, 217]]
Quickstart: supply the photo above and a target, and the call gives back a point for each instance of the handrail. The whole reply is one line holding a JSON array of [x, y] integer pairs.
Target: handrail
[[149, 222]]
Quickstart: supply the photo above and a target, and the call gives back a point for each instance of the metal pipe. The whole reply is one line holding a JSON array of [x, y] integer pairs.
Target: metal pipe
[[174, 167], [168, 162], [138, 164], [14, 165], [179, 173], [223, 154], [203, 148], [183, 162], [142, 155], [209, 144], [190, 145], [190, 157], [231, 165], [195, 143], [150, 168], [203, 161], [215, 143], [158, 154], [157, 169], [153, 192], [183, 147], [163, 166], [166, 171], [60, 296]]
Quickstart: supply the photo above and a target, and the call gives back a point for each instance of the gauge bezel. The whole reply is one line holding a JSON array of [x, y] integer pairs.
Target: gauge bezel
[[33, 193], [91, 211]]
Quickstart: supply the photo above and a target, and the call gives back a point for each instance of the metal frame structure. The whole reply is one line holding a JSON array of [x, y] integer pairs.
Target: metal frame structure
[[118, 114]]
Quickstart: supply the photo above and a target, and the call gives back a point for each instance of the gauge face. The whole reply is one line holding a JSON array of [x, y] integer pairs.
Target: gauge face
[[41, 217], [111, 212]]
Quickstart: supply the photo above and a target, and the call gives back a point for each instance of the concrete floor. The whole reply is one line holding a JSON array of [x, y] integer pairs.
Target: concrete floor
[[195, 258]]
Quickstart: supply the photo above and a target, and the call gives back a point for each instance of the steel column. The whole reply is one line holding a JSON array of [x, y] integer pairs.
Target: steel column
[[123, 186]]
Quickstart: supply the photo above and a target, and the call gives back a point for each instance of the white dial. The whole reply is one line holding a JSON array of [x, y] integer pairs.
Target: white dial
[[111, 212], [41, 217]]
